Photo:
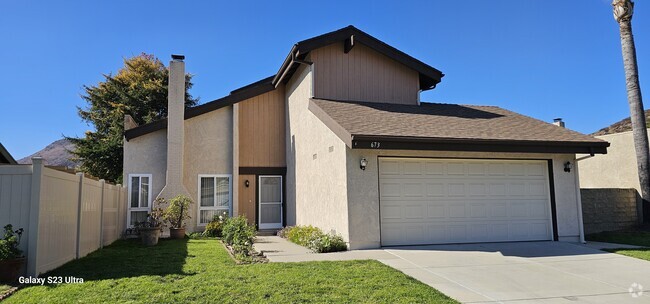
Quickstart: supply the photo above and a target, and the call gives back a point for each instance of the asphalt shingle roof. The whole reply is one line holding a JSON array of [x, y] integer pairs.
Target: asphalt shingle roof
[[445, 121]]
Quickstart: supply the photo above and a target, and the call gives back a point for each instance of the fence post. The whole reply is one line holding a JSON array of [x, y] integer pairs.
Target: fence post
[[118, 215], [101, 215], [79, 212], [34, 211]]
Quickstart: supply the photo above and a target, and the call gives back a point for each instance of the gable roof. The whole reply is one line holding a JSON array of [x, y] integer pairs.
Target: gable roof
[[5, 156], [435, 126], [235, 96], [429, 76]]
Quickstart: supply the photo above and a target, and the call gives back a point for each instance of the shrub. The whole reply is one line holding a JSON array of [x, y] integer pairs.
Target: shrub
[[329, 242], [215, 227], [178, 211], [239, 236], [283, 233], [314, 239], [155, 218], [302, 235], [9, 243]]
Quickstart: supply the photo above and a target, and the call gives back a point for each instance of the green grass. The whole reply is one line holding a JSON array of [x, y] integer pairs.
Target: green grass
[[643, 253], [184, 271], [639, 238]]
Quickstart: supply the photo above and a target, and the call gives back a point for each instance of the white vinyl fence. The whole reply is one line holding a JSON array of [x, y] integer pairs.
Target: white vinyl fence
[[65, 216]]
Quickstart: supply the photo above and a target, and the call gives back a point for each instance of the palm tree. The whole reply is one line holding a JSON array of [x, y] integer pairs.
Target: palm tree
[[623, 10]]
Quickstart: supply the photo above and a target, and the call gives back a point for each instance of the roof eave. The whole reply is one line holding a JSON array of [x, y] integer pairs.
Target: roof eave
[[477, 145]]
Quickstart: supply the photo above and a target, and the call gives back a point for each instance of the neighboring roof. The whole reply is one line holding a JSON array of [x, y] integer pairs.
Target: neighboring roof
[[5, 157], [243, 93], [429, 76], [623, 125], [434, 126]]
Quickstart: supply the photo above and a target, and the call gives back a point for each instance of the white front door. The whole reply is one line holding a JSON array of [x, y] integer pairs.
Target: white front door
[[270, 201], [437, 201]]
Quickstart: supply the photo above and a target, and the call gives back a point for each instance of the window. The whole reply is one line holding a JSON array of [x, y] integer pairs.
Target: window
[[139, 198], [214, 197]]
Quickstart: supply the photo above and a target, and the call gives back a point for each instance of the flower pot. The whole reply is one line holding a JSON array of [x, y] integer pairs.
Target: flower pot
[[149, 236], [177, 233], [10, 269]]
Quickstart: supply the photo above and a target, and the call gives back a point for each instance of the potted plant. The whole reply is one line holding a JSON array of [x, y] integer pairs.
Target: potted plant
[[150, 229], [176, 214], [11, 257]]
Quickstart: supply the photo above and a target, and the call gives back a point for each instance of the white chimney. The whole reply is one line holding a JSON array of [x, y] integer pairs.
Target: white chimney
[[558, 122], [175, 129]]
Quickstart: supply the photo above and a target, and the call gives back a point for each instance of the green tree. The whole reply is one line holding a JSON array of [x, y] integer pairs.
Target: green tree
[[138, 89]]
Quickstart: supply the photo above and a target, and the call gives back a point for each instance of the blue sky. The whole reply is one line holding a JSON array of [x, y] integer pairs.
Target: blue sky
[[544, 59]]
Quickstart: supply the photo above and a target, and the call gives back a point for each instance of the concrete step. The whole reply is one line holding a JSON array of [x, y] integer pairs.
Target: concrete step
[[267, 232]]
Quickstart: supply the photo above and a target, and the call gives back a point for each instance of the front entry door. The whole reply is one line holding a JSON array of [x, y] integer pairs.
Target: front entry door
[[270, 201]]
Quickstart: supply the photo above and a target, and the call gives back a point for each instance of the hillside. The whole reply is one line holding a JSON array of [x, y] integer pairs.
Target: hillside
[[621, 126], [55, 154]]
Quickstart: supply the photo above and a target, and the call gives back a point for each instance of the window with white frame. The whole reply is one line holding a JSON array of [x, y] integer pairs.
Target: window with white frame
[[215, 196], [139, 198]]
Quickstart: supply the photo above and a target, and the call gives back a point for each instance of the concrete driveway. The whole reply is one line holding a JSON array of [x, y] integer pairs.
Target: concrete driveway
[[530, 272]]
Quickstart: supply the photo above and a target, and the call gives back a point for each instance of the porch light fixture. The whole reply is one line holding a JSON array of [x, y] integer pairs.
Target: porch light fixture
[[363, 163], [247, 183], [567, 167]]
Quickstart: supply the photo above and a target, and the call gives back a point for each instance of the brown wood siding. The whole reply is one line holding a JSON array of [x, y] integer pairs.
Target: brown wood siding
[[362, 75], [262, 130], [247, 197]]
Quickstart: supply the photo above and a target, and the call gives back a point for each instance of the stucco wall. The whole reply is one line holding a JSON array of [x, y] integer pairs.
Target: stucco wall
[[363, 196], [147, 154], [609, 209], [616, 169], [316, 171], [208, 150]]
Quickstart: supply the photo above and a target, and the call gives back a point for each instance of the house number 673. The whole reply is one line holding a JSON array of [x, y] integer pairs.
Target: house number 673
[[375, 144]]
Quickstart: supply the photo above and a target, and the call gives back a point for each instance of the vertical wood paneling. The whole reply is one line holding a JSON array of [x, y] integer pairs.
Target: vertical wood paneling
[[362, 75], [247, 197], [262, 130]]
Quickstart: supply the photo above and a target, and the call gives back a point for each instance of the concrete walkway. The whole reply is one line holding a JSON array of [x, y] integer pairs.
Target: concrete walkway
[[525, 272]]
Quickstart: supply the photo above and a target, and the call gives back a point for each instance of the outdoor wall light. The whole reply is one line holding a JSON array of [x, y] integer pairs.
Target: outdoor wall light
[[363, 163], [567, 167], [247, 183]]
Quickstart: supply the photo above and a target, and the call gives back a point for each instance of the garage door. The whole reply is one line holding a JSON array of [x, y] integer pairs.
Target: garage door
[[437, 201]]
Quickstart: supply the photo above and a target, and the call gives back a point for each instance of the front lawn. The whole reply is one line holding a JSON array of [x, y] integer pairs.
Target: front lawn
[[638, 238], [184, 271]]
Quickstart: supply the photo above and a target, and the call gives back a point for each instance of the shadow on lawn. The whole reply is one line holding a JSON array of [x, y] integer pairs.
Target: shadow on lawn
[[128, 258]]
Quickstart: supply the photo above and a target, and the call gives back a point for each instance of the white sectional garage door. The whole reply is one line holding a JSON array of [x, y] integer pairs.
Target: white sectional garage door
[[438, 201]]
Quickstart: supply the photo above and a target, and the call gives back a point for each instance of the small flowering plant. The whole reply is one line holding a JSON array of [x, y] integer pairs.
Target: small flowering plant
[[215, 227], [9, 243], [155, 218]]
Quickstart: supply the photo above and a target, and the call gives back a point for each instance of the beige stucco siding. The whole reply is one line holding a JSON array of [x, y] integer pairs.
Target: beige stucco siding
[[616, 169], [208, 150], [362, 75], [147, 154], [316, 171], [363, 195]]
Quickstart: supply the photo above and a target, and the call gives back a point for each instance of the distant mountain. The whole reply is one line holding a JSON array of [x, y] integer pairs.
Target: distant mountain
[[55, 154], [621, 126]]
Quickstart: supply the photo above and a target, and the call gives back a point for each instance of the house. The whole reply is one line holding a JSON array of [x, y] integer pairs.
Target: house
[[620, 167], [5, 157], [338, 138]]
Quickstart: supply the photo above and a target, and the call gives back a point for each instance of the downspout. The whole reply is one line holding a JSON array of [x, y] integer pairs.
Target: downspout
[[579, 200]]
